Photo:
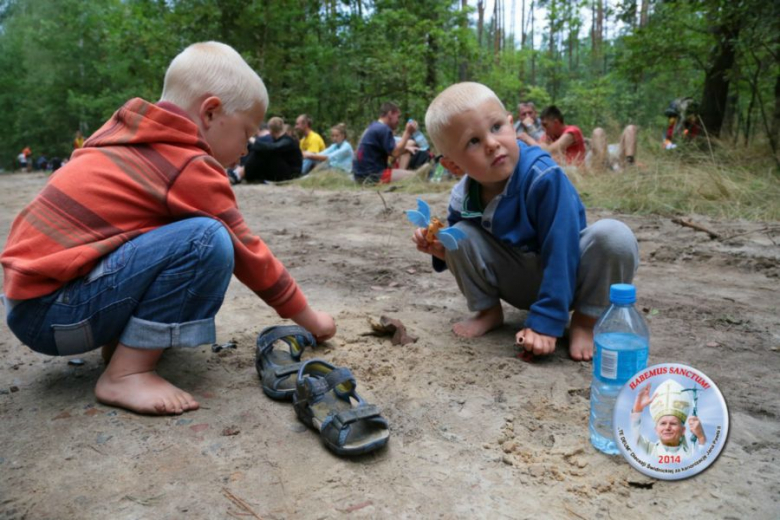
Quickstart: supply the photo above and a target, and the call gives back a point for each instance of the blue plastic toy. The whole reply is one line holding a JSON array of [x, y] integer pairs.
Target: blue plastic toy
[[422, 218]]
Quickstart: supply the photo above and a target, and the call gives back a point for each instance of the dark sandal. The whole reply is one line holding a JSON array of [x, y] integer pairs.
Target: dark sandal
[[325, 399], [278, 368]]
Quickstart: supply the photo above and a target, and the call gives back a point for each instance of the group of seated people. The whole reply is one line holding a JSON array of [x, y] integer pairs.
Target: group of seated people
[[280, 153], [277, 154], [566, 143]]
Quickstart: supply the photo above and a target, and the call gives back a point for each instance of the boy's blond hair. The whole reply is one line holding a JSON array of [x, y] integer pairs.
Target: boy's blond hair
[[213, 69], [455, 99]]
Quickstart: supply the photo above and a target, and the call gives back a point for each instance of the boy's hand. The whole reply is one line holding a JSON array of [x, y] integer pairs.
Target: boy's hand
[[538, 344], [436, 249], [320, 324]]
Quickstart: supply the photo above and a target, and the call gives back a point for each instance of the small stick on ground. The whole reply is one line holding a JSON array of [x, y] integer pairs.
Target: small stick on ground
[[697, 227], [387, 208], [240, 503], [573, 513]]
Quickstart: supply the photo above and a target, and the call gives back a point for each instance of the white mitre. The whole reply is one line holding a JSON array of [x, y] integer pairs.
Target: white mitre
[[671, 400]]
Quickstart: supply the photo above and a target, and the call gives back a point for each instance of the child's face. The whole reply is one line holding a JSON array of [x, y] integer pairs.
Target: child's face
[[228, 134], [482, 142]]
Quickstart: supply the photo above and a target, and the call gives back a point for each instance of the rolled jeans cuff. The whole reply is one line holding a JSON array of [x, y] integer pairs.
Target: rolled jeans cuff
[[152, 335]]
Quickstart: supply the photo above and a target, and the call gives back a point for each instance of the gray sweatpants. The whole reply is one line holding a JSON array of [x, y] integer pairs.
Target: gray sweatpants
[[488, 271]]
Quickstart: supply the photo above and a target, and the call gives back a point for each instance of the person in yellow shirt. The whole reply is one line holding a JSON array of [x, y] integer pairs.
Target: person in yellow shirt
[[78, 141], [311, 141]]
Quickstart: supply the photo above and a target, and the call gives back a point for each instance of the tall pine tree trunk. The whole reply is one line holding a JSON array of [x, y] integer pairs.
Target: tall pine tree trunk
[[463, 66], [775, 131], [522, 26], [430, 58], [598, 28], [496, 29], [480, 21], [644, 13], [716, 79], [553, 20], [533, 54]]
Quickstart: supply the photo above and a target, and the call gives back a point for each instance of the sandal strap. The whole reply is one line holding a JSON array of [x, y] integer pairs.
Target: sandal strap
[[319, 386], [366, 411], [295, 336], [286, 370]]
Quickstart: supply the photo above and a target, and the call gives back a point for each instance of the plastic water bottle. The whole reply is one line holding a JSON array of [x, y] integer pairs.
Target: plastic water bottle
[[438, 173], [420, 139], [622, 343]]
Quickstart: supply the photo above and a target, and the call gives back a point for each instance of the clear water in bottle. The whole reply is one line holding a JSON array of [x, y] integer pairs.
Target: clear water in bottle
[[622, 343], [420, 139]]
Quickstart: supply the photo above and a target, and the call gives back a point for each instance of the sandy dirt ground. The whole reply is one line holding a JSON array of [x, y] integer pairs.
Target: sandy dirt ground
[[475, 431]]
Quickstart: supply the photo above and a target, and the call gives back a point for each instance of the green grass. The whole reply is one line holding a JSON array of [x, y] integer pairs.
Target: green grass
[[723, 182]]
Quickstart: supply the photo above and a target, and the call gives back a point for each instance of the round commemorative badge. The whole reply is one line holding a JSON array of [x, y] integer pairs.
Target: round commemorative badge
[[671, 421]]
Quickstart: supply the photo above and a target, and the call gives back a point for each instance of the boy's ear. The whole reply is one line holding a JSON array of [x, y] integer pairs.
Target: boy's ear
[[209, 107], [451, 166], [510, 118]]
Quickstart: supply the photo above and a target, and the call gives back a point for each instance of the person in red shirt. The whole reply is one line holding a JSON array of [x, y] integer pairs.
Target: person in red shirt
[[564, 142], [27, 153], [142, 259]]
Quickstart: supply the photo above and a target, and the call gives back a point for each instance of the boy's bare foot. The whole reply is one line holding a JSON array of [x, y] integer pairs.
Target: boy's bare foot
[[481, 323], [130, 382], [581, 336]]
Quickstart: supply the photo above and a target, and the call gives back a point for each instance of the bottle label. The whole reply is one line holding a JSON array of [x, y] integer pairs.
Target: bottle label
[[609, 364], [619, 356]]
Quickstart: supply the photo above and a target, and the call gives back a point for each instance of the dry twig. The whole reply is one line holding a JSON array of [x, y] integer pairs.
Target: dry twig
[[241, 504], [387, 208], [697, 227]]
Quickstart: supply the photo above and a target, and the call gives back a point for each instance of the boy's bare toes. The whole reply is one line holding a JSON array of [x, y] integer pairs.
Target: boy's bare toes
[[579, 353], [174, 407], [191, 403]]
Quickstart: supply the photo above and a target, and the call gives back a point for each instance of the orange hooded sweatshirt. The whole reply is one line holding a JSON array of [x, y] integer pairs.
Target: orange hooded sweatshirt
[[148, 166]]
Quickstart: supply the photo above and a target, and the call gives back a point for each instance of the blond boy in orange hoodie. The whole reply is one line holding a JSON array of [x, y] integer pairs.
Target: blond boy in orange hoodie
[[134, 241]]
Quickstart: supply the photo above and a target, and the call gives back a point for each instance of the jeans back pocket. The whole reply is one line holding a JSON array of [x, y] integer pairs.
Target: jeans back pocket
[[73, 339]]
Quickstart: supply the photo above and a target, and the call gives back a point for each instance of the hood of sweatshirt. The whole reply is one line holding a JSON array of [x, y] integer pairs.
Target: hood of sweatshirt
[[141, 122]]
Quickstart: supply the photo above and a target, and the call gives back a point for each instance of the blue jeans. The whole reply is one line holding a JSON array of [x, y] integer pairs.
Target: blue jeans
[[308, 165], [159, 290]]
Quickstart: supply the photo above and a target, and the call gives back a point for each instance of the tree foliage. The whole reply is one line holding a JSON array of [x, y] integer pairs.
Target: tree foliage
[[68, 64]]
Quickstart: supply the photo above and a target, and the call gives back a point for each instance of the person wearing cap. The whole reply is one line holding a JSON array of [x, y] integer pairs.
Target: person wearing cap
[[670, 407]]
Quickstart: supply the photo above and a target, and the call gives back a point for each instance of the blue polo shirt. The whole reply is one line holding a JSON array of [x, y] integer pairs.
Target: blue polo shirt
[[374, 148]]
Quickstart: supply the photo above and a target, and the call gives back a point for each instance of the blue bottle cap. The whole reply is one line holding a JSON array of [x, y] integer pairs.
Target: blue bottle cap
[[622, 293]]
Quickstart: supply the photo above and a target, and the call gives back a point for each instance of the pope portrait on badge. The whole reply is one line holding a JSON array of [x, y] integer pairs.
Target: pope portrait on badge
[[670, 409]]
